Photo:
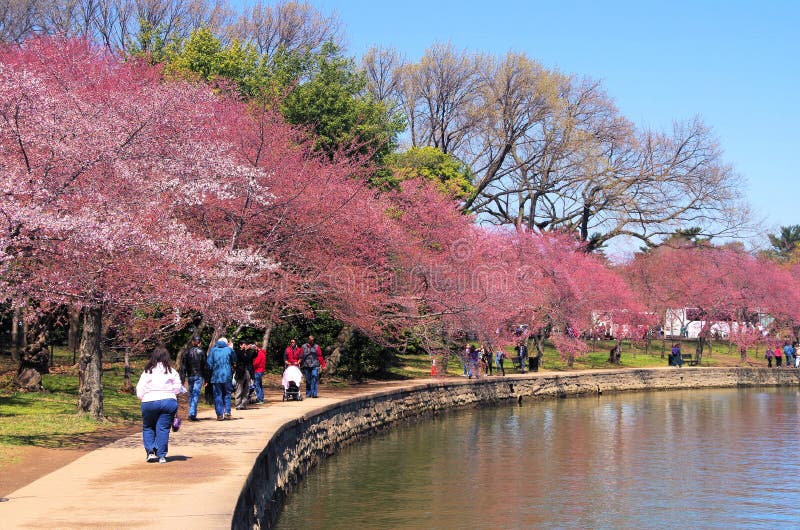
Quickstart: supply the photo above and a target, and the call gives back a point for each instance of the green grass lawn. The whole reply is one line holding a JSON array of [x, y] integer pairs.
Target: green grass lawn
[[49, 419], [633, 356]]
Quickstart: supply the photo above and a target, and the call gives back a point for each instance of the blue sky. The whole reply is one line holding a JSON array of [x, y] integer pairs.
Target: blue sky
[[736, 64]]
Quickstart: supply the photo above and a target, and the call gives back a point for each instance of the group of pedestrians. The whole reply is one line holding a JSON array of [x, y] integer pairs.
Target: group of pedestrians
[[778, 353], [481, 361], [236, 377], [231, 374]]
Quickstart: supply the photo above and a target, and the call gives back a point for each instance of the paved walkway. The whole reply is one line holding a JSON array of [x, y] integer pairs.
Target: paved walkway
[[208, 462]]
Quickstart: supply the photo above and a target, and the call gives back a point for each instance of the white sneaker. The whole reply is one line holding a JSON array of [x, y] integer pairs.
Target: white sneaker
[[162, 460], [151, 457]]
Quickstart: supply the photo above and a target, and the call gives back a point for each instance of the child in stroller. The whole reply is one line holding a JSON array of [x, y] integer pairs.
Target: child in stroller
[[292, 377]]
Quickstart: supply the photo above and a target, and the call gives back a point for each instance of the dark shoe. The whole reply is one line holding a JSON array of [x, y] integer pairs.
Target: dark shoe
[[227, 415], [193, 418], [220, 418], [241, 408]]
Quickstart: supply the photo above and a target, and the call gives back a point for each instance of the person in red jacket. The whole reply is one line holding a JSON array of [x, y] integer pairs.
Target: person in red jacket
[[259, 366], [291, 356]]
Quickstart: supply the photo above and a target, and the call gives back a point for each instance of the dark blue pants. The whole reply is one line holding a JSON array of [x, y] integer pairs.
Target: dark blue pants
[[222, 398], [156, 422]]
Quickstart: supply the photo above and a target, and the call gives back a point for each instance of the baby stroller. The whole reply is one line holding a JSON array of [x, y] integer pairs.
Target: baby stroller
[[292, 377]]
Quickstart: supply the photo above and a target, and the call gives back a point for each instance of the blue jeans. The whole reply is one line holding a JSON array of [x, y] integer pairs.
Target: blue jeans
[[156, 422], [222, 398], [259, 385], [195, 384], [312, 380]]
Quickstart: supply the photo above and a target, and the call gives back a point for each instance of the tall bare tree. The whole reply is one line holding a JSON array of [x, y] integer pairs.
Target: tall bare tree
[[288, 25], [440, 93], [117, 24], [382, 71], [552, 152]]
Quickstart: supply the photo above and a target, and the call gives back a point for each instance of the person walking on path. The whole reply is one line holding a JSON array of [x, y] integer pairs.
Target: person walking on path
[[220, 361], [259, 367], [244, 363], [157, 389], [769, 355], [292, 354], [788, 354], [193, 370], [778, 355], [312, 362]]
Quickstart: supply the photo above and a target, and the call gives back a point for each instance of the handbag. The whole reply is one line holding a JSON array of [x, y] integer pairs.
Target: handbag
[[176, 423]]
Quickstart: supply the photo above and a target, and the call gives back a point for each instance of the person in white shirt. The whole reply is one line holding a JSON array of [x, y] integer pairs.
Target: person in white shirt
[[157, 389]]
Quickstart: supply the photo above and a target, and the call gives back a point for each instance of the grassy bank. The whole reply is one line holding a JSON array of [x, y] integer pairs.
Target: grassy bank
[[48, 419], [633, 356]]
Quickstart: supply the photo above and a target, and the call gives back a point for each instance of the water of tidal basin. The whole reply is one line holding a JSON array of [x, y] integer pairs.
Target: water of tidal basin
[[687, 459]]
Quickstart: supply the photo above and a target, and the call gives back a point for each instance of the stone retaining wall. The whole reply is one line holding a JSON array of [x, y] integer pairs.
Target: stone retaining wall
[[300, 444]]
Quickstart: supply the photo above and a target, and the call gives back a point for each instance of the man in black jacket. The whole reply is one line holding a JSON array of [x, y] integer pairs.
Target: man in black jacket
[[244, 365], [193, 369]]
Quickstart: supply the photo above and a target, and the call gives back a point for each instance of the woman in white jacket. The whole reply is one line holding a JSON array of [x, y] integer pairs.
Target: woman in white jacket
[[157, 389]]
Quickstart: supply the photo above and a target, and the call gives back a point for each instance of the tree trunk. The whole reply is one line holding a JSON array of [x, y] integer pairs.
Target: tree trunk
[[17, 334], [33, 364], [338, 348], [538, 342], [90, 392], [74, 334], [699, 350], [265, 338], [213, 340], [127, 385]]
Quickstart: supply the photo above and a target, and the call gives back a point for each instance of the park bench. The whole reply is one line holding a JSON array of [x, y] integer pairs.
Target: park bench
[[689, 359], [515, 363]]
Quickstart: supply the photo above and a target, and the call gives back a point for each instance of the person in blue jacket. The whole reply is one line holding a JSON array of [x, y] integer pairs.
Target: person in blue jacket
[[220, 361]]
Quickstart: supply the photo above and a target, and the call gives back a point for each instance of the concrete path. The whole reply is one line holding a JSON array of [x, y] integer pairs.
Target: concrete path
[[208, 462]]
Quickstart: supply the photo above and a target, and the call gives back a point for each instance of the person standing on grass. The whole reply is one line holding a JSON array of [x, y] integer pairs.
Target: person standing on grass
[[499, 357], [676, 355], [259, 367], [193, 369], [157, 389], [220, 361], [522, 351], [312, 362], [769, 355], [488, 358], [474, 357]]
